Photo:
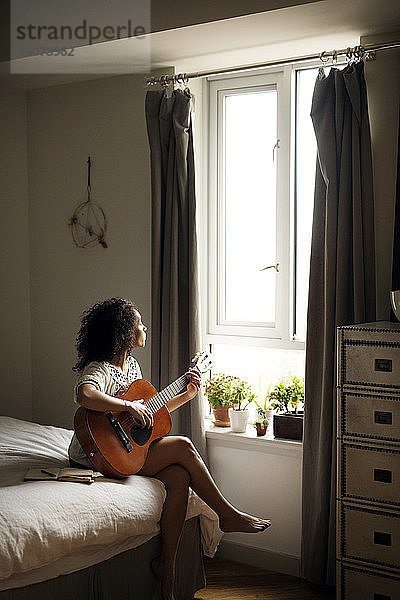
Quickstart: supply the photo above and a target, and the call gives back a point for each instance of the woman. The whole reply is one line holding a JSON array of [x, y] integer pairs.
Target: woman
[[109, 332]]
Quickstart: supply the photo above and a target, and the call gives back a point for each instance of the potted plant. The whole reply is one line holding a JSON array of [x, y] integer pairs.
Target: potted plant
[[287, 398], [218, 390], [242, 396], [264, 414]]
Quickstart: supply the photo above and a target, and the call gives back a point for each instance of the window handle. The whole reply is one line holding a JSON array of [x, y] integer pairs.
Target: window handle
[[274, 148], [271, 267]]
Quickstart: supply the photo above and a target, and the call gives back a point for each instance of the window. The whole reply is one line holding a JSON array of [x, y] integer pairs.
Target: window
[[248, 205], [249, 216], [261, 169]]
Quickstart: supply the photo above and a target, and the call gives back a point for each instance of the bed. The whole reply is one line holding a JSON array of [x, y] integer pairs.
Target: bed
[[86, 541]]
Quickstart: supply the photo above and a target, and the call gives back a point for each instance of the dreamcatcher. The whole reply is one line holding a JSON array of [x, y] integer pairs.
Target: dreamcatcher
[[88, 223]]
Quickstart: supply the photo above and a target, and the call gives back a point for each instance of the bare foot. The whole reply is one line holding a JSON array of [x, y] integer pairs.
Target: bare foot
[[166, 575], [243, 523]]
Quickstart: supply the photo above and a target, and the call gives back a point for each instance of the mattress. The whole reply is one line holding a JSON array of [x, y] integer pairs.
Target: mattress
[[52, 528]]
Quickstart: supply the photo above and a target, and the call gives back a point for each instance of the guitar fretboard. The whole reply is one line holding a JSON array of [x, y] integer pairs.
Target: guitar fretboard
[[160, 399]]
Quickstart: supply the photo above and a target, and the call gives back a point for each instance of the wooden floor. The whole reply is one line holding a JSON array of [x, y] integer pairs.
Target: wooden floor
[[228, 580]]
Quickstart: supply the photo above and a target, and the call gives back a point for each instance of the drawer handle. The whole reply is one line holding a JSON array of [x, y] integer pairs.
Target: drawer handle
[[383, 539], [382, 597], [383, 475], [383, 418], [383, 364]]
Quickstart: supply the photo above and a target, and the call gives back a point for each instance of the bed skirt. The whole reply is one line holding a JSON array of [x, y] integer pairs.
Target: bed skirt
[[127, 575]]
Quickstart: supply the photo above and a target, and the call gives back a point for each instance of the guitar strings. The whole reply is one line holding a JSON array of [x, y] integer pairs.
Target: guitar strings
[[172, 390], [160, 399]]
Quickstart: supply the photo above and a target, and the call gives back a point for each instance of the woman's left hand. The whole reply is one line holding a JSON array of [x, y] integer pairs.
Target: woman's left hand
[[191, 390], [195, 382]]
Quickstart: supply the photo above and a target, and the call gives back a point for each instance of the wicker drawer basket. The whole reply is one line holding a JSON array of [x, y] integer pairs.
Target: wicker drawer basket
[[370, 473], [373, 416], [363, 584], [370, 536]]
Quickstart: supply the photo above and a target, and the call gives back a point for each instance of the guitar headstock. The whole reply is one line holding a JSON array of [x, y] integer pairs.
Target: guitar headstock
[[203, 361]]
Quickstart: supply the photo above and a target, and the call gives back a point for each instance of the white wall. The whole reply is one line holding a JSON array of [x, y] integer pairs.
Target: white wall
[[262, 478], [15, 348], [105, 119]]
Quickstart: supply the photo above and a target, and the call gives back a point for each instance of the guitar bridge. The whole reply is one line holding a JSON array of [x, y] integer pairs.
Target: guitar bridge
[[116, 425]]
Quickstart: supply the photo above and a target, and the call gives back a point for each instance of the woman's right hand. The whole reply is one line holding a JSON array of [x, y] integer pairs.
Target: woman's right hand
[[139, 411]]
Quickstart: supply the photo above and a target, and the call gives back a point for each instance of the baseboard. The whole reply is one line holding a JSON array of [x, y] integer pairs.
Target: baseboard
[[259, 557]]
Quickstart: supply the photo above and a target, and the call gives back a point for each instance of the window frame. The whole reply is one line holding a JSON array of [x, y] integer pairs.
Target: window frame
[[214, 330], [217, 296], [207, 244]]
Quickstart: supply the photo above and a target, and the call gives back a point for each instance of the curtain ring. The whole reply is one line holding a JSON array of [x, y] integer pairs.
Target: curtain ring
[[185, 80], [370, 55], [360, 53], [323, 58], [164, 80], [179, 81]]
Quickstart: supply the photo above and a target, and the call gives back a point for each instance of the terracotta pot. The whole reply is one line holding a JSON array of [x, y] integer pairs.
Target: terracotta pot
[[289, 427], [261, 429], [221, 416]]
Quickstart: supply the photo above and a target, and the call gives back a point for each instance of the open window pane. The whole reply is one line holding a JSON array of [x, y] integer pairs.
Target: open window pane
[[248, 234]]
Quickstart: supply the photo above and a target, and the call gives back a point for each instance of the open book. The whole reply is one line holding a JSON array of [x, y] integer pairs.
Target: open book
[[65, 474]]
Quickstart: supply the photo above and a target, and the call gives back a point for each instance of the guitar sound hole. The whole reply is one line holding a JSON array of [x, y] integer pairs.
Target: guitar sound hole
[[141, 435]]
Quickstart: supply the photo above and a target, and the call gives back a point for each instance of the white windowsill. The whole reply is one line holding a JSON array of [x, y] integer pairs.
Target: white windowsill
[[249, 440]]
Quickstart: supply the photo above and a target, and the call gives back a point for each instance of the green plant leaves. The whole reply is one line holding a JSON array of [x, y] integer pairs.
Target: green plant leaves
[[288, 397], [225, 390]]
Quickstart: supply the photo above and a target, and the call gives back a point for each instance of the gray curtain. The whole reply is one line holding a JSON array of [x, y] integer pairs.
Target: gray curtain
[[341, 292], [175, 335]]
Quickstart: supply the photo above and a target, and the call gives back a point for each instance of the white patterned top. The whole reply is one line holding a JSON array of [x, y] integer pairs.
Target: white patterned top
[[109, 379]]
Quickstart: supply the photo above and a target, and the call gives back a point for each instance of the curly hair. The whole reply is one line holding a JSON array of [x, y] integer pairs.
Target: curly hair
[[107, 329]]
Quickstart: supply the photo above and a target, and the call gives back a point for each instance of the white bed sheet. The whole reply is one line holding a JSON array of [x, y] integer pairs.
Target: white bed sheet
[[51, 528]]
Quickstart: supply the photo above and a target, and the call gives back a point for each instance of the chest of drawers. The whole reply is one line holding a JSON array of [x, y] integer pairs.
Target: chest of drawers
[[368, 451]]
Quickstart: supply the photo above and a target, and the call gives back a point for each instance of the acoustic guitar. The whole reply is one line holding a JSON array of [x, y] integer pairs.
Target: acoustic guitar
[[113, 442]]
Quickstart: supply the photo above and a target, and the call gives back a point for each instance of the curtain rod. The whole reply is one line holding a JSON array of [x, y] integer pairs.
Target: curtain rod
[[358, 52]]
